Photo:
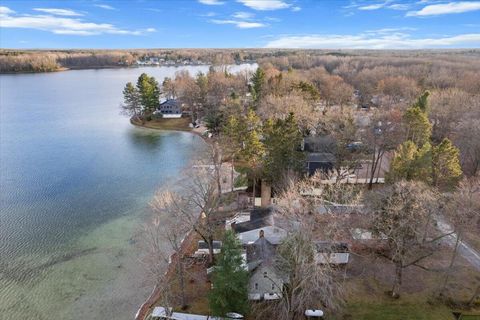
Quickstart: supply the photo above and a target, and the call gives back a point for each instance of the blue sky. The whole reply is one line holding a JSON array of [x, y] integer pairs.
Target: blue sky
[[370, 24]]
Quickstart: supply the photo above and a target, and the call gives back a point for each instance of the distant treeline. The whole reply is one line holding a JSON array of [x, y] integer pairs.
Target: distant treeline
[[52, 60], [426, 64]]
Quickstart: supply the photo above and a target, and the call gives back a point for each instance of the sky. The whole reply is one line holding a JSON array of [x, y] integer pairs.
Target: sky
[[330, 24]]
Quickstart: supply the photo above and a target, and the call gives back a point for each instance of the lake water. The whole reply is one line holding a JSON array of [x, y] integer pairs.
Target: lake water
[[75, 181]]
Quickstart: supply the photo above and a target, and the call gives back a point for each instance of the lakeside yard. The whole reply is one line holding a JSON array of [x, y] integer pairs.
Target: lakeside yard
[[367, 281], [178, 124]]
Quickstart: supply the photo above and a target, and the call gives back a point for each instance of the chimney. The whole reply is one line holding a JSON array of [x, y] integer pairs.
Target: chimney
[[266, 194], [261, 234]]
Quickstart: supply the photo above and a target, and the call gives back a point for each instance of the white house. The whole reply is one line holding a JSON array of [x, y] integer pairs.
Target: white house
[[266, 282]]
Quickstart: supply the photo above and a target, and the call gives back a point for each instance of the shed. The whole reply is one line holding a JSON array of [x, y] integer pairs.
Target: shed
[[204, 250], [331, 252]]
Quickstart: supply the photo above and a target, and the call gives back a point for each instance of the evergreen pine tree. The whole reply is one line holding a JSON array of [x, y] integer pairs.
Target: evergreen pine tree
[[446, 169], [422, 102], [258, 80], [149, 93], [282, 141], [402, 166], [419, 128], [230, 279], [131, 98]]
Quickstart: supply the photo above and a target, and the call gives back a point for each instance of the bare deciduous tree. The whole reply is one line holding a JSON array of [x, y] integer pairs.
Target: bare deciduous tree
[[400, 213], [310, 285], [466, 138], [195, 202], [383, 135], [463, 210], [166, 227]]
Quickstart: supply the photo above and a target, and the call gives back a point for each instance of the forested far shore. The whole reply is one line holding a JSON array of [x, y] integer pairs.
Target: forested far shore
[[19, 61]]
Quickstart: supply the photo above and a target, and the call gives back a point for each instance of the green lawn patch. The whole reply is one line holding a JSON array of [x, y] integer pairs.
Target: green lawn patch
[[178, 124]]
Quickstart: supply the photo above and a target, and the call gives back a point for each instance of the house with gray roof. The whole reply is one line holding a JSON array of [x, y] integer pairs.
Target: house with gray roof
[[261, 220], [170, 108], [319, 161], [266, 281], [319, 153]]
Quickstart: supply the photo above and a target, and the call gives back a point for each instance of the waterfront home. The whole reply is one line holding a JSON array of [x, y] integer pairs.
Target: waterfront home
[[248, 227], [266, 282], [169, 109], [274, 235], [334, 253]]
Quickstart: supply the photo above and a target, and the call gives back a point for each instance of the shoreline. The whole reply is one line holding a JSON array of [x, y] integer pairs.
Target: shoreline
[[146, 306], [179, 129], [61, 69]]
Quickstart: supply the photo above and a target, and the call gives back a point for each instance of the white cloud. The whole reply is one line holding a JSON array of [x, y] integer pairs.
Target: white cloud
[[399, 6], [5, 11], [240, 24], [296, 9], [374, 41], [446, 8], [390, 30], [372, 6], [154, 9], [265, 5], [61, 24], [386, 4], [273, 19], [104, 6], [242, 15], [59, 12], [208, 14], [211, 2]]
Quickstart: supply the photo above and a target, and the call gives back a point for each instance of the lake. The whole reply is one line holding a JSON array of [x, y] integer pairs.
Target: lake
[[75, 182]]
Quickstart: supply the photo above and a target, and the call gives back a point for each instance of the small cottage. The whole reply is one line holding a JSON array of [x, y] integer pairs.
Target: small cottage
[[266, 282], [259, 219]]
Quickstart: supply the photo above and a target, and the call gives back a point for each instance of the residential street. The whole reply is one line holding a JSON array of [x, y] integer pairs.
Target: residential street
[[466, 251]]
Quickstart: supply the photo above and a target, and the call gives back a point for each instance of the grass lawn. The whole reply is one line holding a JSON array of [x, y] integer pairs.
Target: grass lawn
[[180, 124], [368, 279], [397, 310]]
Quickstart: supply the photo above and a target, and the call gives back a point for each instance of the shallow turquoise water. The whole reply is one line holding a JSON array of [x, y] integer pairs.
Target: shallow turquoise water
[[75, 180]]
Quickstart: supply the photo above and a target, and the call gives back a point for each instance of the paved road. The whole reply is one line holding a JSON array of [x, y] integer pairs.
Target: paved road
[[465, 250]]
